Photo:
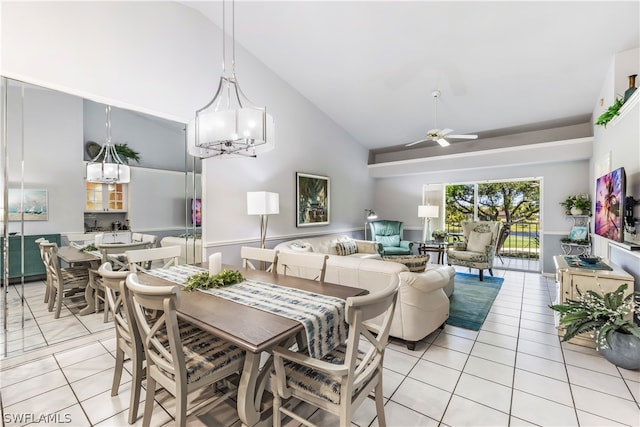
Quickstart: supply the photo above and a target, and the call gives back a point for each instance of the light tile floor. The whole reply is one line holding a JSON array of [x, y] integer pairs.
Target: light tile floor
[[513, 372]]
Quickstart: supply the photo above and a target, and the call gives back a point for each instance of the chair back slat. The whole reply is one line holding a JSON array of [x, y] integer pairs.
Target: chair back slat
[[250, 255], [306, 265], [113, 282], [141, 260]]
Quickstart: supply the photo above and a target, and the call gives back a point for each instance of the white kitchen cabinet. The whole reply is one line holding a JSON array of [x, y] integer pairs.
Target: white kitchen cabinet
[[105, 197]]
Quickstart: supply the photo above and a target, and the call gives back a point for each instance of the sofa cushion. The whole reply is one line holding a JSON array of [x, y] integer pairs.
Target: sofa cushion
[[389, 240], [478, 242], [346, 247]]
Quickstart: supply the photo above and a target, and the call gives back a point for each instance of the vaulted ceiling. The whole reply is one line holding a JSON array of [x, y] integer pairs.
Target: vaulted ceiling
[[502, 67]]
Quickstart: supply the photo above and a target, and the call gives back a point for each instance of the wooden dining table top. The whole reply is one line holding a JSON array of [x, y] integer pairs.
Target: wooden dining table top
[[249, 328], [70, 254]]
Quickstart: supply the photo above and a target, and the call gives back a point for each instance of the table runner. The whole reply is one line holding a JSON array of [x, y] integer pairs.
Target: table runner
[[79, 247], [322, 316]]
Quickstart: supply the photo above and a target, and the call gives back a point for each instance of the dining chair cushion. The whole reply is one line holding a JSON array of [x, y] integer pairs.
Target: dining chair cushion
[[478, 242], [204, 354], [322, 385]]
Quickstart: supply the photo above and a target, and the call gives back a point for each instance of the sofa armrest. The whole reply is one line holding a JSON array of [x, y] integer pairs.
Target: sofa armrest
[[368, 247], [407, 244], [426, 282]]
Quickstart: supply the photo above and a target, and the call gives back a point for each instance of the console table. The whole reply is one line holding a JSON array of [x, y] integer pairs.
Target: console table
[[571, 275], [33, 266]]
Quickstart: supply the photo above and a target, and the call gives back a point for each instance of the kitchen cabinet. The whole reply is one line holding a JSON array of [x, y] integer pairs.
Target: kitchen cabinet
[[105, 197], [570, 279], [33, 266]]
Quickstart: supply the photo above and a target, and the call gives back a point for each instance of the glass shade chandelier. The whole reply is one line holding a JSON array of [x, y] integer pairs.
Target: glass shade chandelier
[[107, 167], [230, 124]]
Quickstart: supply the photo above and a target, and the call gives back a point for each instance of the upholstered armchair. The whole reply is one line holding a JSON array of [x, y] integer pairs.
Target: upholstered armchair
[[479, 248], [389, 236]]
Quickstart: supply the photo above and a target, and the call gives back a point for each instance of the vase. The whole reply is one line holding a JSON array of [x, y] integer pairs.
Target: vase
[[632, 87], [576, 211], [623, 350]]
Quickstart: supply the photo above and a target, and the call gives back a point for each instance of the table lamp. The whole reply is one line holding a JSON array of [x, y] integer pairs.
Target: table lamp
[[427, 212], [264, 204]]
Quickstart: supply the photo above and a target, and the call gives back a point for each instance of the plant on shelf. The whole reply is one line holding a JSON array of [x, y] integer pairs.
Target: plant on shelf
[[126, 153], [610, 316], [439, 234], [611, 112], [578, 204]]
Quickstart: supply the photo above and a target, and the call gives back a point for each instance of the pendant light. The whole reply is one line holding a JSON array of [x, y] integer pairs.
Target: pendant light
[[107, 167], [230, 124]]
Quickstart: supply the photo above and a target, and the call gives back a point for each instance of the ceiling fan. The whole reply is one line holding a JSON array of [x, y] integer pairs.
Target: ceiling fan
[[440, 135]]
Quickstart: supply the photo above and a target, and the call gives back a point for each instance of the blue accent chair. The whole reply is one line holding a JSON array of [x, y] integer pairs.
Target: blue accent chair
[[389, 236]]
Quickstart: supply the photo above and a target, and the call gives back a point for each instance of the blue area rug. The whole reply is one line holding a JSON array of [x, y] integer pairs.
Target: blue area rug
[[472, 300]]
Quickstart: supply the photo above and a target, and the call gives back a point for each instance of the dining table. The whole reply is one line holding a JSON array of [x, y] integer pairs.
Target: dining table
[[73, 255], [251, 329]]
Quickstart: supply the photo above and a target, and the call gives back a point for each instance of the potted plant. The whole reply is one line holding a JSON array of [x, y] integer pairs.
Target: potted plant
[[611, 112], [610, 316], [576, 205], [439, 235]]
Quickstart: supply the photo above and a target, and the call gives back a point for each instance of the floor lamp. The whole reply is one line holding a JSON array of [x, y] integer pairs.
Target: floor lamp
[[427, 212], [264, 204], [369, 214]]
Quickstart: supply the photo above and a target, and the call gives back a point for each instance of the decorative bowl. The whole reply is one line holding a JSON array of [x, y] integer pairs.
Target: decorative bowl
[[589, 259]]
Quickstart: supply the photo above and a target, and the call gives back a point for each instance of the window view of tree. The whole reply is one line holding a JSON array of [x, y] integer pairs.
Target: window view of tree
[[515, 203]]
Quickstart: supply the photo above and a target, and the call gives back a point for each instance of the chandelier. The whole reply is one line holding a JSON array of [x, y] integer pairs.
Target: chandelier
[[230, 124], [107, 167]]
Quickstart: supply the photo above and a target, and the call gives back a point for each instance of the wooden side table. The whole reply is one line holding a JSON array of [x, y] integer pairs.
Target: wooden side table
[[436, 246]]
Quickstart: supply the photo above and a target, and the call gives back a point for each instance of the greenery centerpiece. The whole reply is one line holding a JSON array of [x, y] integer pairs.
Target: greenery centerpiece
[[578, 204], [206, 281], [609, 316]]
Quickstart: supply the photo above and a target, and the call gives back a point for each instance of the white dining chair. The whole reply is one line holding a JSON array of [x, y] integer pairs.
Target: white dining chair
[[128, 341], [64, 281], [151, 239], [182, 358], [340, 381], [47, 283], [115, 253], [306, 265], [266, 259], [142, 260]]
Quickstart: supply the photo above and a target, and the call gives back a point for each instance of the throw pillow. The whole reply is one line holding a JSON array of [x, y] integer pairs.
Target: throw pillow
[[478, 241], [346, 247], [304, 247]]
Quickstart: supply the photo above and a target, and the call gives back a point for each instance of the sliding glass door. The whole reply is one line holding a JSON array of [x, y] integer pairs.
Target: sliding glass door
[[515, 202]]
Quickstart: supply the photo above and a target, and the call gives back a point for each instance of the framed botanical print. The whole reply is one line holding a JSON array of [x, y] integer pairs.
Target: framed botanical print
[[312, 200]]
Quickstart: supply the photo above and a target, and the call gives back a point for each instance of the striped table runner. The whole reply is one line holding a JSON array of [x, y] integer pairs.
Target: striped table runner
[[322, 316]]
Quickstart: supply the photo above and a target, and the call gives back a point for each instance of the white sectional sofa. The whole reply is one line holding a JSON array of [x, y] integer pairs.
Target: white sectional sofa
[[422, 305]]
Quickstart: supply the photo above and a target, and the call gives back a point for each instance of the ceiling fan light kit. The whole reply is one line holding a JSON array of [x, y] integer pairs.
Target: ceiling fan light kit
[[437, 135]]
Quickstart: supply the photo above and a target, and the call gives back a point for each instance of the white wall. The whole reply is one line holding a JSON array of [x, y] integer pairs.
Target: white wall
[[164, 59], [51, 154]]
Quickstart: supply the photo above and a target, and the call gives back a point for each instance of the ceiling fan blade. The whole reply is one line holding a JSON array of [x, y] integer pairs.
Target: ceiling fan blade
[[444, 132], [463, 136], [415, 142], [443, 142]]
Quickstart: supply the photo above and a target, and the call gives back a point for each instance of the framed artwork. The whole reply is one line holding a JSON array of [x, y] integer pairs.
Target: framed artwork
[[35, 205], [312, 200]]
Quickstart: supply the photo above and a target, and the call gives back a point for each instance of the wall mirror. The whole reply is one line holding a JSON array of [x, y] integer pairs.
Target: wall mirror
[[45, 136]]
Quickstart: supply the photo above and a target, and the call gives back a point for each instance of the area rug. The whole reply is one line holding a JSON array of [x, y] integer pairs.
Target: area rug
[[472, 300]]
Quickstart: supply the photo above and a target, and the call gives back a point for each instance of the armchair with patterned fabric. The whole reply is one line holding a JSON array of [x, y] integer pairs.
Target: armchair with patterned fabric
[[389, 235], [479, 248]]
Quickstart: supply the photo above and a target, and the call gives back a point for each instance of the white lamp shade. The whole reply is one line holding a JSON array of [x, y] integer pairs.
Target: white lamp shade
[[427, 211], [108, 173], [263, 203]]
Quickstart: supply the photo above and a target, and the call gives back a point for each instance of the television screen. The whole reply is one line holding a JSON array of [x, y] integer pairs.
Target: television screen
[[196, 211], [609, 215]]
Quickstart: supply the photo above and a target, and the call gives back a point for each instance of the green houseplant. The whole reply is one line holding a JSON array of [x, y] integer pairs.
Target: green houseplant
[[611, 112], [439, 234], [610, 316], [578, 204]]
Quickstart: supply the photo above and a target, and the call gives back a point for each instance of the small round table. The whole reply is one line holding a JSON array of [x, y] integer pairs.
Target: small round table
[[437, 246]]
